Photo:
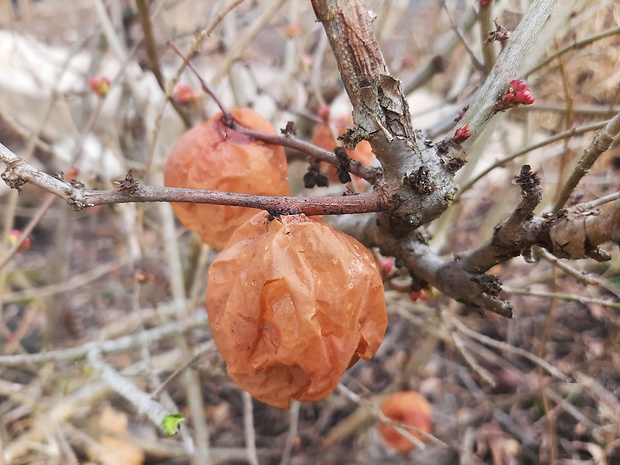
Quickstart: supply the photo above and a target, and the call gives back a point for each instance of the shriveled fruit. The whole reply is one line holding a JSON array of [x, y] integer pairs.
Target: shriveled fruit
[[410, 408], [324, 138], [214, 157], [292, 303]]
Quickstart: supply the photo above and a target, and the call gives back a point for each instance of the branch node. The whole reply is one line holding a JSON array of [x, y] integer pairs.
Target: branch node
[[420, 181], [289, 130], [128, 185], [12, 179]]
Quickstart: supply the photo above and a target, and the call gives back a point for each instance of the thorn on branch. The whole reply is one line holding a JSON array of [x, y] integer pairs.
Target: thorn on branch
[[75, 182], [420, 181], [500, 34], [128, 185], [461, 114], [277, 213], [289, 130]]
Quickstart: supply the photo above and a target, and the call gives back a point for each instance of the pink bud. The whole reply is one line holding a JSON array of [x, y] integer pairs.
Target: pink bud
[[423, 294], [99, 85], [386, 265], [184, 93], [72, 173], [462, 134], [14, 237], [518, 93], [293, 29], [324, 112]]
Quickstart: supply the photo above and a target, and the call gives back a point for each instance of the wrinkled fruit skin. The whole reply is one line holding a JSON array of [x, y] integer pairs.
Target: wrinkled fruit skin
[[410, 408], [292, 304], [214, 157]]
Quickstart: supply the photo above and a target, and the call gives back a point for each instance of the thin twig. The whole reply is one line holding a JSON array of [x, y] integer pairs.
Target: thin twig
[[25, 233], [503, 346], [292, 433], [550, 419], [583, 207], [402, 428], [82, 198], [574, 46], [484, 20], [194, 394], [601, 142], [141, 400], [208, 348], [248, 427], [563, 296], [114, 345], [257, 24], [205, 85], [369, 173], [472, 56], [484, 374], [501, 162], [525, 35], [74, 282], [578, 275]]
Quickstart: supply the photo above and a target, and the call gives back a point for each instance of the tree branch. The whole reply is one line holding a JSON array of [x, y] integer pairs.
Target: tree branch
[[506, 68], [574, 234], [141, 400], [128, 190], [601, 142], [140, 339], [417, 177]]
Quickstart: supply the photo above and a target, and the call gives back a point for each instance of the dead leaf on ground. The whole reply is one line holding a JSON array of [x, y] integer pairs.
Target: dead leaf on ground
[[116, 450]]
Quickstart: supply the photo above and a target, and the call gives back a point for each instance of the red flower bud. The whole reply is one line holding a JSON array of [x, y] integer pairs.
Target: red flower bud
[[14, 237], [462, 134], [424, 295], [72, 173], [99, 85], [293, 29], [386, 265], [324, 112], [184, 93], [518, 93]]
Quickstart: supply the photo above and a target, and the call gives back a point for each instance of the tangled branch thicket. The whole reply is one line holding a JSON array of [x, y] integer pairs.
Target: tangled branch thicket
[[494, 193]]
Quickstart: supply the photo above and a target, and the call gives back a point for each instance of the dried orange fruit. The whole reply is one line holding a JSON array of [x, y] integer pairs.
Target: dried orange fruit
[[292, 304], [214, 157], [410, 408]]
